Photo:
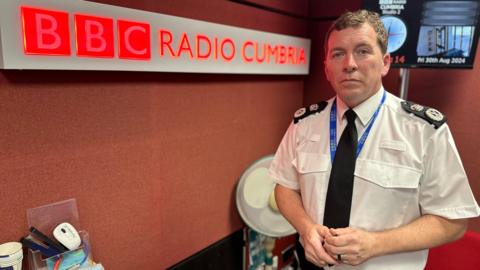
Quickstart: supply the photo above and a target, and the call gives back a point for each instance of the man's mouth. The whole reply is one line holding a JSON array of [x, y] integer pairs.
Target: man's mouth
[[350, 81]]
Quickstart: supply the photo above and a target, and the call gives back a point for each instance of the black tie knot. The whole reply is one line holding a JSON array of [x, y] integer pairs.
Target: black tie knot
[[351, 115]]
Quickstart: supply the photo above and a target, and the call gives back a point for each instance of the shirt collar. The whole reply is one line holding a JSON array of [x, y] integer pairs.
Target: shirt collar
[[365, 110]]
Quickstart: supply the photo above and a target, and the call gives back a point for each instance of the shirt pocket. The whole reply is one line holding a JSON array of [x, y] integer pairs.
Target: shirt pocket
[[388, 175], [313, 171], [385, 192], [311, 163]]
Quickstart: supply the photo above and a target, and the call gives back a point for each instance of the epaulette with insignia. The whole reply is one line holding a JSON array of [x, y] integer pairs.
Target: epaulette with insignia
[[306, 111], [431, 115]]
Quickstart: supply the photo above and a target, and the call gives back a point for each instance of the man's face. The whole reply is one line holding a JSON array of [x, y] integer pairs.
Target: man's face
[[354, 64]]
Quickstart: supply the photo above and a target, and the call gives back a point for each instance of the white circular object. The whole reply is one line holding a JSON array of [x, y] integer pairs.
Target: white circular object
[[434, 114], [253, 192], [11, 254]]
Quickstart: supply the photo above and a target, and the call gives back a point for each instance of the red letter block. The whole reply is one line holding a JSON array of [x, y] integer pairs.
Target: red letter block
[[45, 31], [94, 36], [133, 40]]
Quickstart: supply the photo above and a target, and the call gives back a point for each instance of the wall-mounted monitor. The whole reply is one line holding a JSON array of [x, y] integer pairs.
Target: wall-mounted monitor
[[430, 33]]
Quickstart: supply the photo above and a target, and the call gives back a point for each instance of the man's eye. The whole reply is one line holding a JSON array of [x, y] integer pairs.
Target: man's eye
[[337, 55], [363, 52]]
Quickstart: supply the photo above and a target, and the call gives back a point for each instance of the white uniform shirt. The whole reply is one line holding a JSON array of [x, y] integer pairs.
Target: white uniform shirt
[[406, 168]]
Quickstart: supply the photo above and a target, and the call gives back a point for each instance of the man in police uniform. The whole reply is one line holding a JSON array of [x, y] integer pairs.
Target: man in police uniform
[[410, 190]]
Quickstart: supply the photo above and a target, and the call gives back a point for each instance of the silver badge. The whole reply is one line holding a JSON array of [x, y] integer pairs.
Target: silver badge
[[313, 107], [434, 114], [300, 112], [417, 107]]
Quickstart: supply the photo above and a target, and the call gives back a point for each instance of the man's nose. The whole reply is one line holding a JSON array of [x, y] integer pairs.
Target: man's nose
[[349, 65]]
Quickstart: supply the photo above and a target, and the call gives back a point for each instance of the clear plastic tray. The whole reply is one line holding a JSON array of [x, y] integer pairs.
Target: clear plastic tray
[[82, 256], [45, 219]]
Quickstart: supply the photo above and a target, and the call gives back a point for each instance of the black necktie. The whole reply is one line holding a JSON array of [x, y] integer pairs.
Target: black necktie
[[340, 185]]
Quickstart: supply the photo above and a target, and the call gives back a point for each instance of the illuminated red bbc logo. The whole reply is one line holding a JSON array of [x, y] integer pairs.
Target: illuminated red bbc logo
[[47, 32]]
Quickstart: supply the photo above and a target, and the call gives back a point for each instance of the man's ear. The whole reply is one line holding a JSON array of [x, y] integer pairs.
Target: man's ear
[[387, 60]]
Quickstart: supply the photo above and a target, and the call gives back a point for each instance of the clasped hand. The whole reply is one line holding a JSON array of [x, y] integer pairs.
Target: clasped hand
[[323, 245]]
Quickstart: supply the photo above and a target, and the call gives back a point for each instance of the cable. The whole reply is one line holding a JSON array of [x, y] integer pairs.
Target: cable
[[57, 263]]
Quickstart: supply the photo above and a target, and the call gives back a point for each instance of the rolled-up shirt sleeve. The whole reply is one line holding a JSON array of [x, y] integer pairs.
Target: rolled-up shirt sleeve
[[281, 169], [444, 189]]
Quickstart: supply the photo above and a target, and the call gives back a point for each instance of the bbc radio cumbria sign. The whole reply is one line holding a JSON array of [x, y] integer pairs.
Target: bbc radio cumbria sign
[[82, 35]]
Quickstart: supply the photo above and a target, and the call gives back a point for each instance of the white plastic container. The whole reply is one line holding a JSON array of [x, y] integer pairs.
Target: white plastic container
[[11, 256]]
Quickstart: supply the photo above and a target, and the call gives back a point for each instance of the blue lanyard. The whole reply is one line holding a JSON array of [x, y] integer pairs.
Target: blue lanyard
[[333, 128]]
